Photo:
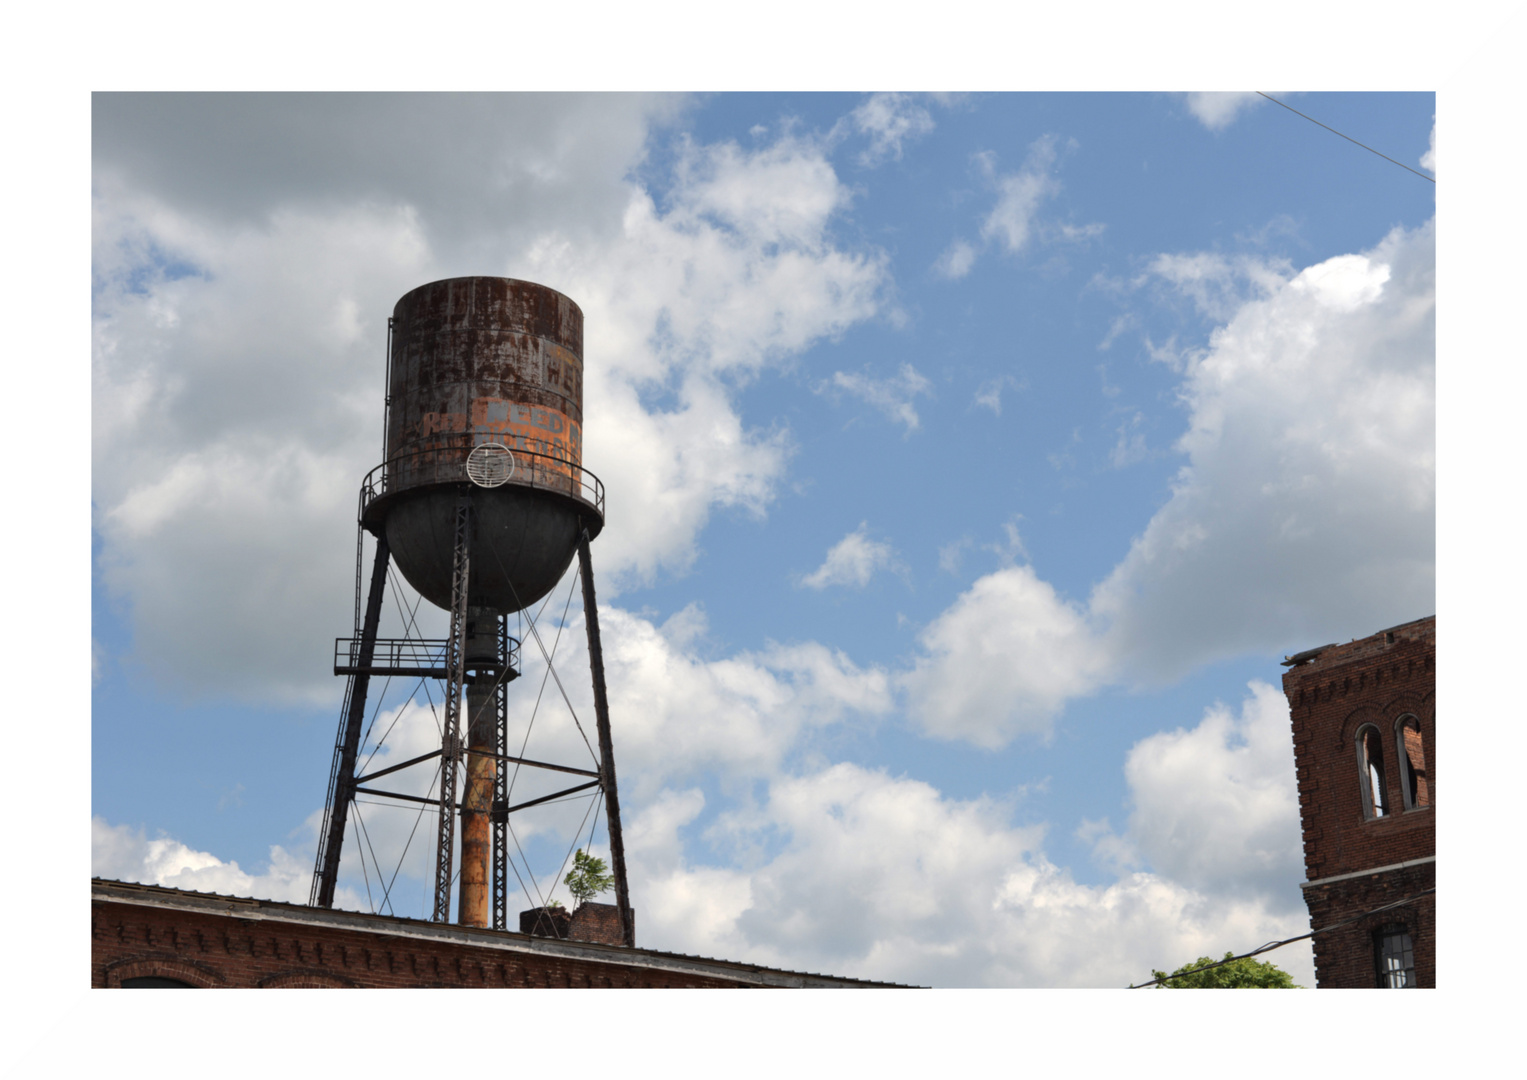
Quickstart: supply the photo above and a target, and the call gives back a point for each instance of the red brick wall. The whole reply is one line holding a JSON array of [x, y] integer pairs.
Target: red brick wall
[[589, 921], [1347, 957], [214, 950], [1329, 699], [598, 922], [1374, 680]]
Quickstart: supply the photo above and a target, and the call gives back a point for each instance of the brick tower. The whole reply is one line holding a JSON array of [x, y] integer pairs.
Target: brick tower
[[1365, 752]]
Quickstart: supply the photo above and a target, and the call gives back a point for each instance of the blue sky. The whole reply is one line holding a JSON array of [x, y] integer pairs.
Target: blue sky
[[972, 461]]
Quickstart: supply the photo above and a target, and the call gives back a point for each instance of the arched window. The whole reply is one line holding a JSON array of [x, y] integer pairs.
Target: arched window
[[1407, 740], [1370, 763], [1396, 958]]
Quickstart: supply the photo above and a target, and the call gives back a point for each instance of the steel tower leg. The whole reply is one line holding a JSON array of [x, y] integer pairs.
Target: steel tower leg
[[501, 784], [474, 906], [606, 747], [342, 775], [450, 743]]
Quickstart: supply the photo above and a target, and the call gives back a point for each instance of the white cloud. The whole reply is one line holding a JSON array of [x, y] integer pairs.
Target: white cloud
[[1218, 286], [1014, 221], [1306, 508], [239, 329], [849, 869], [1216, 808], [952, 554], [123, 853], [1001, 661], [892, 396], [989, 393], [1305, 511], [811, 865], [1019, 196], [1429, 159], [741, 715], [957, 260], [1218, 110], [852, 561], [1130, 447], [889, 120]]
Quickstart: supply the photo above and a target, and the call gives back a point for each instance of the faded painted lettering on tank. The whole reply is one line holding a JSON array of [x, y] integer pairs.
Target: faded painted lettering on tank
[[477, 360], [433, 423], [530, 428], [564, 370]]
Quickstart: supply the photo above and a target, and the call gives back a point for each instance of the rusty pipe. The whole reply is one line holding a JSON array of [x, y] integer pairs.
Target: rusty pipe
[[476, 889]]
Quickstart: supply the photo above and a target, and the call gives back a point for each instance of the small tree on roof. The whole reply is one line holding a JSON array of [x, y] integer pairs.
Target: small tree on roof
[[588, 877]]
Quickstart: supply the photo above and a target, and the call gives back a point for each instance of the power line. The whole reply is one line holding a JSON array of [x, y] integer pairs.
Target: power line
[[1349, 138], [1271, 945]]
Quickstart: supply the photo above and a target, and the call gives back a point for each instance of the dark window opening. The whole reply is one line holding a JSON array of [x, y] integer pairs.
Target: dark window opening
[[1370, 762], [1396, 958], [154, 982], [1412, 763]]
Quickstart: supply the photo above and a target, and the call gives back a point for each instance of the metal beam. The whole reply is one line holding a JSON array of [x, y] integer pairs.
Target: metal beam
[[399, 795], [506, 811], [450, 741], [498, 830], [535, 764], [394, 768], [347, 746], [606, 746]]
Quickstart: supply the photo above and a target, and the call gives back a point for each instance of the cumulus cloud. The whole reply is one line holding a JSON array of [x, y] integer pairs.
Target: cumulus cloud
[[679, 718], [124, 853], [1429, 159], [1307, 505], [1305, 510], [744, 715], [893, 396], [1216, 807], [240, 298], [852, 561], [811, 865], [889, 120], [1001, 661], [1218, 110], [850, 869]]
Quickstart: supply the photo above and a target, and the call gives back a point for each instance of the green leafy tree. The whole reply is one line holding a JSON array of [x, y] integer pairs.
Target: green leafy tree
[[588, 877], [1245, 974]]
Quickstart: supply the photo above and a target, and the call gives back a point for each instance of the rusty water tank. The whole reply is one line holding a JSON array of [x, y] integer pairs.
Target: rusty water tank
[[485, 372]]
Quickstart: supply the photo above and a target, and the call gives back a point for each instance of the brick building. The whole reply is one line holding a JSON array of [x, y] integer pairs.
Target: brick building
[[144, 936], [1365, 752]]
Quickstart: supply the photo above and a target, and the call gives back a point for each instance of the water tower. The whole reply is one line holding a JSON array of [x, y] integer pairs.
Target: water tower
[[481, 503]]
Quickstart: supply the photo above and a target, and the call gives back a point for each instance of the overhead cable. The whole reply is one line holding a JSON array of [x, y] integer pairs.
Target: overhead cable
[[1349, 138], [1271, 945]]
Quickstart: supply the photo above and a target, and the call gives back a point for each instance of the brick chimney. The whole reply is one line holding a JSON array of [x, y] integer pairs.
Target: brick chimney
[[588, 922]]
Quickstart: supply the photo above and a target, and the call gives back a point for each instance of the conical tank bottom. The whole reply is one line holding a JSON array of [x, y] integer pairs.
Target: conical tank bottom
[[522, 542]]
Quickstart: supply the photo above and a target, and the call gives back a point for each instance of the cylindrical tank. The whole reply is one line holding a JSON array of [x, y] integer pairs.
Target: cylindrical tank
[[492, 365]]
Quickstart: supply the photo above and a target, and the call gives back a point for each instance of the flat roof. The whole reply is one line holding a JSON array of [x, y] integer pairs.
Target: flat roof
[[1325, 656], [127, 892]]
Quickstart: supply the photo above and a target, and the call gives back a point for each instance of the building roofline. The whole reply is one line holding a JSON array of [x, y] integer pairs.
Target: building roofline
[[1308, 656], [159, 896]]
